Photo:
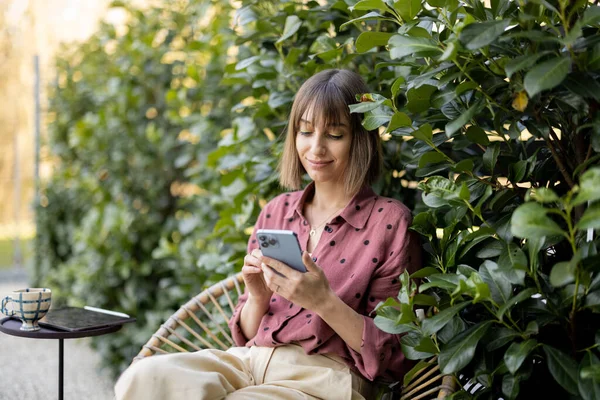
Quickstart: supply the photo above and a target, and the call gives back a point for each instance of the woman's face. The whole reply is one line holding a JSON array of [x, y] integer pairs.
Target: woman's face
[[324, 151]]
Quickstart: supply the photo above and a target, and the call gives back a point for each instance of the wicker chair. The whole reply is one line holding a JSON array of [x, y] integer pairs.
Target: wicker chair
[[202, 323]]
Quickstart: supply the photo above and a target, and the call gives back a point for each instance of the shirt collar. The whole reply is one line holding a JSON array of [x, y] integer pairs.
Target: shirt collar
[[356, 212]]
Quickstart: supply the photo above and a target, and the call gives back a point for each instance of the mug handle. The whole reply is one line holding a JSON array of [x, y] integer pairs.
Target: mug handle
[[4, 310]]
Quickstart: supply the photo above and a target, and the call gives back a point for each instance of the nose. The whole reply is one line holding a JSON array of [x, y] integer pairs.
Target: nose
[[318, 144]]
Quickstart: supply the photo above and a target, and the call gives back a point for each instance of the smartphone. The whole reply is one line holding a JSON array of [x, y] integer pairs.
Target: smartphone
[[281, 245]]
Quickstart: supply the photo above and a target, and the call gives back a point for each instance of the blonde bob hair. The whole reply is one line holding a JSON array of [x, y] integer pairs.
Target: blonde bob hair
[[329, 93]]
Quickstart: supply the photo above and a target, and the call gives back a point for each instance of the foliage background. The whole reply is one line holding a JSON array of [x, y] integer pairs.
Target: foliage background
[[166, 137]]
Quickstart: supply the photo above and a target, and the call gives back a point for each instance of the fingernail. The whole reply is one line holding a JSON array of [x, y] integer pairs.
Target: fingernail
[[263, 265]]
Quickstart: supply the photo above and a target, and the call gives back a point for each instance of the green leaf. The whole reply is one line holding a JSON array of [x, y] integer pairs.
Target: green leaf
[[589, 377], [589, 186], [563, 369], [367, 40], [407, 9], [562, 274], [292, 24], [500, 288], [465, 87], [246, 62], [366, 106], [491, 156], [424, 133], [465, 117], [438, 321], [399, 120], [459, 352], [424, 272], [409, 343], [366, 17], [404, 45], [594, 58], [500, 337], [517, 353], [369, 5], [396, 86], [444, 281], [477, 135], [591, 16], [513, 301], [529, 220], [374, 121], [518, 171], [544, 195], [590, 218], [390, 326], [477, 35], [431, 157], [546, 75], [419, 98], [523, 62]]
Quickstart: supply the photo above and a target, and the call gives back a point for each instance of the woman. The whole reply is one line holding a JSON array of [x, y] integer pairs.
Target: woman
[[308, 335]]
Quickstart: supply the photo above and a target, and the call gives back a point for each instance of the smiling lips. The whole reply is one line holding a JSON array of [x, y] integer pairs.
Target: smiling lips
[[318, 164]]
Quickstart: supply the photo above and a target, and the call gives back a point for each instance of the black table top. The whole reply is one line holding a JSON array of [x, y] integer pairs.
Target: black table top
[[12, 326]]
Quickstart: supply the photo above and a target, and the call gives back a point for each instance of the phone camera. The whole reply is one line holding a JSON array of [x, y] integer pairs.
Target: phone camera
[[264, 244], [262, 238], [272, 242]]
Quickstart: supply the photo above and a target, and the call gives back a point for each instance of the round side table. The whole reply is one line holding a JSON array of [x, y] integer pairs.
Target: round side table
[[11, 326]]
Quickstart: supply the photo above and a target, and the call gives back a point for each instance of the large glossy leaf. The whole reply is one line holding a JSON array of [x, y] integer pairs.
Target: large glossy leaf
[[523, 62], [500, 287], [517, 353], [399, 120], [547, 75], [477, 35], [453, 126], [292, 24], [589, 387], [459, 352], [491, 156], [404, 45], [530, 221], [369, 16], [369, 5], [408, 9], [419, 98], [367, 40], [563, 368], [589, 186], [438, 321], [513, 301]]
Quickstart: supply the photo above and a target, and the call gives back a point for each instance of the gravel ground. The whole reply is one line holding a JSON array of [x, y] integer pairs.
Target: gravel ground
[[30, 367]]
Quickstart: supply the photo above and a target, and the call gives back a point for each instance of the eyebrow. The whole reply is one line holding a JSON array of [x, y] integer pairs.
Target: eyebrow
[[341, 124]]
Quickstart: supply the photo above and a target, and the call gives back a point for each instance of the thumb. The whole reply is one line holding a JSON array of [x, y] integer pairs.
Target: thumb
[[309, 263]]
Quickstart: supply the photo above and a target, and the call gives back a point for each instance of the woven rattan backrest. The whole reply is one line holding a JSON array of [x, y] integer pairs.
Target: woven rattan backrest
[[201, 323]]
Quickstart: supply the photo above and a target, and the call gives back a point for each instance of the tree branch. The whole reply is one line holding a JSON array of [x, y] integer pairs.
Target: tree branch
[[559, 161]]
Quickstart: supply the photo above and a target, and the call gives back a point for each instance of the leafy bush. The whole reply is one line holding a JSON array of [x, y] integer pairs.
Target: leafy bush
[[500, 106]]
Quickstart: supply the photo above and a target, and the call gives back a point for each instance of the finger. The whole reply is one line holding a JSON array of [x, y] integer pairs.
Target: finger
[[251, 260], [273, 279], [250, 269], [280, 267], [309, 263], [256, 253]]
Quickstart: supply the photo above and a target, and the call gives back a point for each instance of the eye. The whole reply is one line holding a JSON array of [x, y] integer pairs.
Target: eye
[[336, 137], [304, 133]]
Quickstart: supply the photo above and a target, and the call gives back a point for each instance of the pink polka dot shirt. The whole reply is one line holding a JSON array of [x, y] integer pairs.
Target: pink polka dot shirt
[[362, 253]]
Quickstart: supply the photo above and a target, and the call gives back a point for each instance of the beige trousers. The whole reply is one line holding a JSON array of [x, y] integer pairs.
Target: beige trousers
[[284, 372]]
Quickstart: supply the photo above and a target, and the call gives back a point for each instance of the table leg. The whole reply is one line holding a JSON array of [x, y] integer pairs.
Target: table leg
[[61, 351]]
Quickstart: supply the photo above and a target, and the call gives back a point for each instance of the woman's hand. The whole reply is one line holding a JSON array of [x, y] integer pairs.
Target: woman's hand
[[254, 278], [308, 289]]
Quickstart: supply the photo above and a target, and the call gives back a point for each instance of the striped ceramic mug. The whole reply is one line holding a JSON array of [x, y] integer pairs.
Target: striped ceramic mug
[[29, 305]]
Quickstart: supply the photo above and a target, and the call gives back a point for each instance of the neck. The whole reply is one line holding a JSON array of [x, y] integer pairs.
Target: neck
[[329, 196]]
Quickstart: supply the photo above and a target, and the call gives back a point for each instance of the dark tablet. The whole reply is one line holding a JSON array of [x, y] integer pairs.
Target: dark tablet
[[75, 319]]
